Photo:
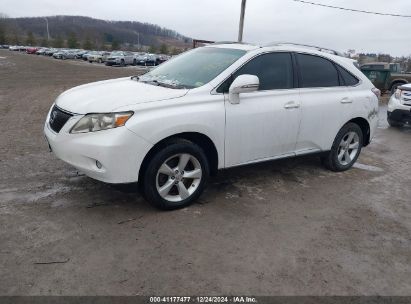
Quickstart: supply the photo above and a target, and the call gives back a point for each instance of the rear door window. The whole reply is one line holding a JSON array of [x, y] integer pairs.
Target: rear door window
[[347, 78], [317, 72]]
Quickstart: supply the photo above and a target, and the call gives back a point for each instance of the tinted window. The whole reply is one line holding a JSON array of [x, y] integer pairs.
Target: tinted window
[[274, 70], [348, 78], [317, 72]]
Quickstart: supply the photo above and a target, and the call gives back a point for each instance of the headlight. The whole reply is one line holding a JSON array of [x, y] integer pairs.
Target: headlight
[[397, 94], [99, 122]]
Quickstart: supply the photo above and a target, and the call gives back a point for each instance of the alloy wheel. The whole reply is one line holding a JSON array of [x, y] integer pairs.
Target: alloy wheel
[[178, 177], [348, 148]]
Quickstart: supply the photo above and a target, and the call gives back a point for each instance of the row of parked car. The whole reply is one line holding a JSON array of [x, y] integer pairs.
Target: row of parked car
[[118, 58]]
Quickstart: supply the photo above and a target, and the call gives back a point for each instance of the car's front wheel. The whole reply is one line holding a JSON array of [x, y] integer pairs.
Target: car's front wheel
[[345, 149], [176, 175]]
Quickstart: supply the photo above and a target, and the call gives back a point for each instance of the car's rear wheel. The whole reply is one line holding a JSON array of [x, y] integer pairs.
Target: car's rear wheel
[[100, 61], [134, 62], [345, 149], [122, 63], [176, 176]]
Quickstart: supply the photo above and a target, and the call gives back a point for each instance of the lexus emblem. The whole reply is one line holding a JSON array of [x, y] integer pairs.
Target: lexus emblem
[[53, 116]]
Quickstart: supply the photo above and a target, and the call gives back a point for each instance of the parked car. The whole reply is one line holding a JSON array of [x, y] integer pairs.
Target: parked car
[[32, 50], [386, 76], [95, 57], [147, 60], [214, 107], [87, 54], [59, 54], [399, 107], [161, 59], [51, 51], [14, 48], [4, 46], [69, 54], [140, 58], [105, 56], [41, 51], [99, 57], [80, 53], [121, 58]]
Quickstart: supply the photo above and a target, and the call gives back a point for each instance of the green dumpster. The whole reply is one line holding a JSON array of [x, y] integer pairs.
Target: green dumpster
[[378, 74]]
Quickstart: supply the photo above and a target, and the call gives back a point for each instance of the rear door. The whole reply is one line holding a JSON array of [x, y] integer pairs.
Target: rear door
[[326, 103]]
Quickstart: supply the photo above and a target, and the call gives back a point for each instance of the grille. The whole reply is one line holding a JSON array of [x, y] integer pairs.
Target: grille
[[58, 119]]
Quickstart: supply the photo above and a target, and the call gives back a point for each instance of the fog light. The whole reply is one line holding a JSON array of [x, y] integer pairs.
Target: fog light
[[98, 164]]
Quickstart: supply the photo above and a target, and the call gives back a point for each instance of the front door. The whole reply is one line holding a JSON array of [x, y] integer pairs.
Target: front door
[[265, 123]]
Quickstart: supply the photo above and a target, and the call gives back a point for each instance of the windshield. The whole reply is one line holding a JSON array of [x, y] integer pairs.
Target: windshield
[[117, 53], [194, 68]]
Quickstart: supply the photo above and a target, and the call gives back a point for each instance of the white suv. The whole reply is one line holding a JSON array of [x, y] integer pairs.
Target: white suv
[[214, 107], [399, 107]]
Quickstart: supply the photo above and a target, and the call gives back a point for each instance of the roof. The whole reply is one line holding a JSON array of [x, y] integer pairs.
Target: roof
[[286, 46], [234, 45]]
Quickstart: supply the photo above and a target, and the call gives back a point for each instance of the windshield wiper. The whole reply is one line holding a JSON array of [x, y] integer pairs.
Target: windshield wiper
[[163, 84]]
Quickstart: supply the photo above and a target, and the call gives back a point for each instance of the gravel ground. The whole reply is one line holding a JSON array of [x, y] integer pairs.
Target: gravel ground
[[287, 227]]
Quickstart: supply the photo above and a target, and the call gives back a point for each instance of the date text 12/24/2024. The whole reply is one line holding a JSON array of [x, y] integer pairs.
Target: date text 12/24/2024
[[204, 299]]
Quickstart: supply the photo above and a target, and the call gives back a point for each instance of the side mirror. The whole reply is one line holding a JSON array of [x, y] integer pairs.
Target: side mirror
[[242, 84]]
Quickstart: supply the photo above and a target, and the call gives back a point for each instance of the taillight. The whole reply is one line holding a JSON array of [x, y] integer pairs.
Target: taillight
[[376, 92]]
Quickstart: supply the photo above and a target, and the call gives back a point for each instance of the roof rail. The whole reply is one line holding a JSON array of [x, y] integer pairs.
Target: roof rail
[[229, 42], [318, 48]]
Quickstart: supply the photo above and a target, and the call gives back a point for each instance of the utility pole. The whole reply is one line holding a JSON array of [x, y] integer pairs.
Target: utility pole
[[241, 27], [47, 26]]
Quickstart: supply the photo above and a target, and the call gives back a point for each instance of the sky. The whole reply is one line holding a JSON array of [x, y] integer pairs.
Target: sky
[[265, 20]]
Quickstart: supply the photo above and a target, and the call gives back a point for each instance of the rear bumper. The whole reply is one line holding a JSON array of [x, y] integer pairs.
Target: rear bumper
[[119, 151]]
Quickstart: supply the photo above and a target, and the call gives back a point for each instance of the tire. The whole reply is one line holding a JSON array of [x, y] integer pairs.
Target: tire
[[337, 160], [134, 62], [100, 61], [178, 191], [122, 63]]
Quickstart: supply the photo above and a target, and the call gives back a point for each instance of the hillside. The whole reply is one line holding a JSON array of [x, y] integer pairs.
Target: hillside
[[98, 32]]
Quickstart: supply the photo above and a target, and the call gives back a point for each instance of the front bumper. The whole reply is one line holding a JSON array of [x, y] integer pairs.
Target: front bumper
[[113, 62], [119, 151], [403, 116], [398, 112]]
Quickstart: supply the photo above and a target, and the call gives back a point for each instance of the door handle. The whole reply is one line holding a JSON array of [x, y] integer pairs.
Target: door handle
[[346, 100], [291, 105]]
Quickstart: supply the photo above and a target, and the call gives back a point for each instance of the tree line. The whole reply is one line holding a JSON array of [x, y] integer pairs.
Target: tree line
[[89, 33]]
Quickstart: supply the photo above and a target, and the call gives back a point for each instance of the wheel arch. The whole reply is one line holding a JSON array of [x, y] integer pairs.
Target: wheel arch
[[200, 139], [397, 81], [365, 128]]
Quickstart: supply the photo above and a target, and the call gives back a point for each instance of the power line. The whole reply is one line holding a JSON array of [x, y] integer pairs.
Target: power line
[[353, 10]]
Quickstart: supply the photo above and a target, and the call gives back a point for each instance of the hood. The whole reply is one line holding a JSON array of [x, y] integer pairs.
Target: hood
[[107, 96]]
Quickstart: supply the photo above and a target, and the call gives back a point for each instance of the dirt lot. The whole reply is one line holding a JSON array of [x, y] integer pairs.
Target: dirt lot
[[282, 228]]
